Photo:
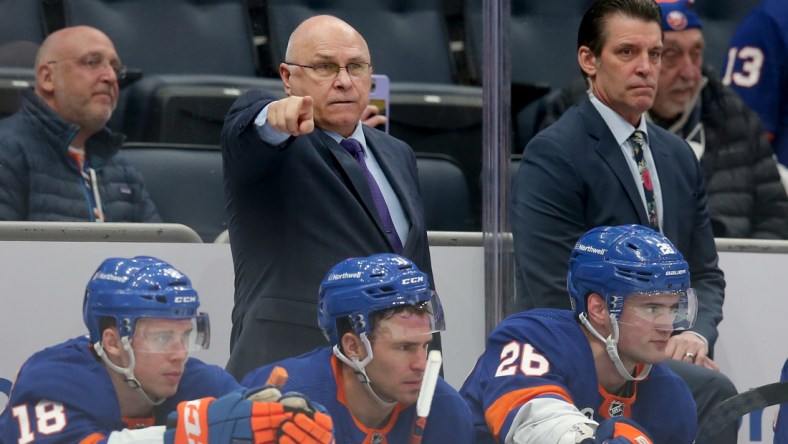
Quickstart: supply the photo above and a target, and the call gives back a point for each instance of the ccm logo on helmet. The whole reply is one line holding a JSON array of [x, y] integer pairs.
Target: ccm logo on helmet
[[185, 299], [413, 280]]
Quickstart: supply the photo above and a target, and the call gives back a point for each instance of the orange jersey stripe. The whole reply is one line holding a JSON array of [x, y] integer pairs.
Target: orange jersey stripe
[[373, 435], [92, 439], [631, 433]]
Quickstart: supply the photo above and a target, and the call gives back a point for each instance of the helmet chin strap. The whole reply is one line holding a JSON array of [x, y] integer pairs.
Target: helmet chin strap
[[611, 346], [361, 374], [127, 372]]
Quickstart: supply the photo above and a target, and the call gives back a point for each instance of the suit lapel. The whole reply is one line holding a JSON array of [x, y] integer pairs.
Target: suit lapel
[[665, 173], [350, 168], [358, 181], [402, 188], [609, 150]]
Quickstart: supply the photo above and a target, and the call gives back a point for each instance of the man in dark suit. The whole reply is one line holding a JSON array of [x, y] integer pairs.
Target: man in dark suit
[[302, 196], [590, 168]]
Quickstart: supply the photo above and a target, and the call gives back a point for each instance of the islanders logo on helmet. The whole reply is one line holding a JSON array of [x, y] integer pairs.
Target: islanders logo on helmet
[[357, 287], [678, 15]]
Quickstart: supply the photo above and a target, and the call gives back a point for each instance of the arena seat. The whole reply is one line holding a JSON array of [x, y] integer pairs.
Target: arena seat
[[193, 42], [21, 33], [185, 182], [408, 39], [11, 90], [444, 193], [188, 109], [22, 29], [543, 42], [442, 119]]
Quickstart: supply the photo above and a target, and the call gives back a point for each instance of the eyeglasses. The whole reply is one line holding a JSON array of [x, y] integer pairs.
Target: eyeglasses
[[329, 70], [95, 62]]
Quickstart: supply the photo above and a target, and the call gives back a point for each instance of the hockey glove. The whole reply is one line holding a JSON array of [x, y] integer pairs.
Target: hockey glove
[[621, 430], [235, 419], [307, 422]]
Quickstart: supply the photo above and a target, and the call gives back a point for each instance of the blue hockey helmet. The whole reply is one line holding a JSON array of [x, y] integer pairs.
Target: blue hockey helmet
[[127, 289], [623, 261], [357, 287]]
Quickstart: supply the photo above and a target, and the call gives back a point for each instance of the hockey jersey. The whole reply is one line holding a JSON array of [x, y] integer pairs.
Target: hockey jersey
[[317, 375], [543, 352], [64, 394], [781, 426], [756, 66]]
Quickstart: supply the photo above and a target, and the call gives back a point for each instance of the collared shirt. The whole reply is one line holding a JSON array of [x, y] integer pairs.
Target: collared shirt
[[622, 130], [398, 216]]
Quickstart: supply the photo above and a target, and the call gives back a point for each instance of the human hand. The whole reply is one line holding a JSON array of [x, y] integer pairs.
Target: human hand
[[293, 115], [688, 347], [371, 116], [621, 430], [308, 424], [240, 417]]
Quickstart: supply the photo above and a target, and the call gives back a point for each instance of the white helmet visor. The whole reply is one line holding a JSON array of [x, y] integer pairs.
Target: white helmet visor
[[412, 321], [166, 335], [663, 310]]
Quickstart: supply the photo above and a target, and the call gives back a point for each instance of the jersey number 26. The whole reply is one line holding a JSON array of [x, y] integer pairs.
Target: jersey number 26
[[516, 356]]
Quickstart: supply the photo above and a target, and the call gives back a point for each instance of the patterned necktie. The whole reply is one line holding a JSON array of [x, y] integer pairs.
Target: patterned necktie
[[354, 148], [648, 189]]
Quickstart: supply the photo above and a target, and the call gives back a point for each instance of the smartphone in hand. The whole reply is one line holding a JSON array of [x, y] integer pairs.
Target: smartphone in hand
[[379, 96]]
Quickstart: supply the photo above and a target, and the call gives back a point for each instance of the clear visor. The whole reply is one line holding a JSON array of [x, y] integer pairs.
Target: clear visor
[[671, 310], [162, 335], [413, 322]]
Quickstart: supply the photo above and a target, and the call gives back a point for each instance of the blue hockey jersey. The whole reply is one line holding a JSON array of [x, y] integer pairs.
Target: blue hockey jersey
[[544, 353], [756, 66], [781, 427], [63, 394], [317, 375]]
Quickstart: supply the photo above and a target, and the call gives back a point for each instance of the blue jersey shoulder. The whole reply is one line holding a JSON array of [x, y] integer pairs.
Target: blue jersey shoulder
[[544, 352]]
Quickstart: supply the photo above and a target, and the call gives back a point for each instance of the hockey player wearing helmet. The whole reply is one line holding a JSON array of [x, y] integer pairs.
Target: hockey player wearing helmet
[[593, 374], [119, 383], [378, 314]]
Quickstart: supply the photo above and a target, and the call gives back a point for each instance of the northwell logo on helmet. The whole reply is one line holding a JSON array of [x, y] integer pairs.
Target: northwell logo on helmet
[[590, 249], [111, 277], [337, 276]]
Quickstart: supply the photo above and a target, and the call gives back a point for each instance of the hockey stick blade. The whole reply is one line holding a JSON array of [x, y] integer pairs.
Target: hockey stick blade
[[424, 402], [729, 411], [434, 361]]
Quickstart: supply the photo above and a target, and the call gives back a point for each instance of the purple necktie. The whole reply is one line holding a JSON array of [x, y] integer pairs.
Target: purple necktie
[[354, 148]]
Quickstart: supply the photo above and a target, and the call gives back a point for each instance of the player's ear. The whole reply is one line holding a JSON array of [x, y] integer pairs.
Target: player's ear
[[110, 341], [596, 309], [353, 346]]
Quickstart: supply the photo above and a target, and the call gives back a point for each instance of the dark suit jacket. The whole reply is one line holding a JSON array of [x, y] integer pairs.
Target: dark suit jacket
[[295, 211], [574, 177]]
